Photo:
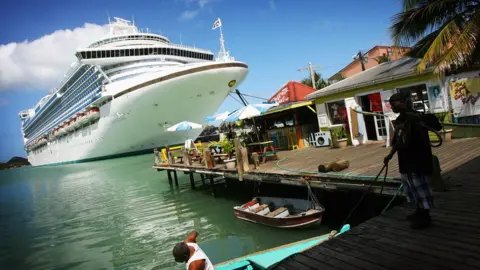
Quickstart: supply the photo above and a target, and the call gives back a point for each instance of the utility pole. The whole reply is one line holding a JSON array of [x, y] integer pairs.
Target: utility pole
[[312, 75], [360, 56]]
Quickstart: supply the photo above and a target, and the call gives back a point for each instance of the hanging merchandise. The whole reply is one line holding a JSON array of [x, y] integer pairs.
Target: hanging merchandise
[[375, 102]]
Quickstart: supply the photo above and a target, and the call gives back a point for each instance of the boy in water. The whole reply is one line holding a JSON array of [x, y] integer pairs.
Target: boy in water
[[415, 158], [190, 253]]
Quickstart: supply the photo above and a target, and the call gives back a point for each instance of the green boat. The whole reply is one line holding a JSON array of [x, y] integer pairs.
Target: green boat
[[264, 259]]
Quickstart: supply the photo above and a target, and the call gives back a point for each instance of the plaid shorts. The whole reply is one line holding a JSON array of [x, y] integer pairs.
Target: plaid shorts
[[418, 190]]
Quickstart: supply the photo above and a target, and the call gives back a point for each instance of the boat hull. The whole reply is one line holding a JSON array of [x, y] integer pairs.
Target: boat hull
[[301, 212], [135, 120], [284, 223]]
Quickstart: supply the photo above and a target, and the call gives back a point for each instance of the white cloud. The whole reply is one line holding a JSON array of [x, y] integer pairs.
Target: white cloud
[[41, 63], [188, 15], [202, 3], [272, 4], [191, 14]]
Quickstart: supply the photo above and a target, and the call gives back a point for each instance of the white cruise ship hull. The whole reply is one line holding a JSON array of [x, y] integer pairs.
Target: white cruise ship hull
[[136, 119]]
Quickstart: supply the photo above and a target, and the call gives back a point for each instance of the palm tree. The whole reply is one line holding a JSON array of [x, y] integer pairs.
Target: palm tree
[[444, 33], [382, 59], [319, 81]]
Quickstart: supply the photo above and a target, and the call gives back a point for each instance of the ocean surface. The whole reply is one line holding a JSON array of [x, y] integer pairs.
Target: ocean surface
[[120, 214]]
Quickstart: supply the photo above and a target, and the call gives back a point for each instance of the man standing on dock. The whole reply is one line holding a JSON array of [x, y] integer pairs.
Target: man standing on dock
[[190, 253], [415, 158]]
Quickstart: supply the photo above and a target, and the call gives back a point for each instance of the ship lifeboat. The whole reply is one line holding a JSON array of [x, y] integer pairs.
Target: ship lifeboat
[[69, 127], [93, 114], [55, 132], [81, 119], [76, 121], [61, 130]]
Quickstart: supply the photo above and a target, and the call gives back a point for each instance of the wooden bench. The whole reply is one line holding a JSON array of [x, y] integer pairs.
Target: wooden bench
[[277, 212], [260, 208]]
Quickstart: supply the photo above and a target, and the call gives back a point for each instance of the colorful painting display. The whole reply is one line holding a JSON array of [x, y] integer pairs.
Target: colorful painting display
[[465, 96]]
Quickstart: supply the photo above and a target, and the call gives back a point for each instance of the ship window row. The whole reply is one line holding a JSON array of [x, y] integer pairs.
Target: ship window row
[[80, 72], [123, 64], [68, 94], [132, 37], [66, 104], [151, 66], [70, 103], [70, 97], [87, 99], [143, 52]]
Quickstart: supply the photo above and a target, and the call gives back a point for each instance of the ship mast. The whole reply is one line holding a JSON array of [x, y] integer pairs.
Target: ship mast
[[223, 55]]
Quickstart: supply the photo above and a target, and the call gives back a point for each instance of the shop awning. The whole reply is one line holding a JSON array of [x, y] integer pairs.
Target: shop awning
[[288, 106]]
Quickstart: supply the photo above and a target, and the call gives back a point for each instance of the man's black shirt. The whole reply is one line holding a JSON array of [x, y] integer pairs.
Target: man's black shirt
[[415, 155]]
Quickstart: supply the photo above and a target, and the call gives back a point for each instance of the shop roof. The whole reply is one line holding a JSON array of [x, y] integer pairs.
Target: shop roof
[[292, 91], [382, 73], [288, 106]]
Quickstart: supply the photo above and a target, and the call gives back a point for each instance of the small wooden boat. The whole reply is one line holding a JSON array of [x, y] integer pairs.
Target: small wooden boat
[[281, 212]]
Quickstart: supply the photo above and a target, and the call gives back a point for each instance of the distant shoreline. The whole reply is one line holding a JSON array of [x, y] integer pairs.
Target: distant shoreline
[[14, 162]]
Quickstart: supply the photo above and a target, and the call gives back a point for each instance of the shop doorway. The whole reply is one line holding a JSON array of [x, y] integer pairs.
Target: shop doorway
[[375, 126]]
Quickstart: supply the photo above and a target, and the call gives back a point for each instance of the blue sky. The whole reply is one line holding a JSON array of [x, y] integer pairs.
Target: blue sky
[[274, 38]]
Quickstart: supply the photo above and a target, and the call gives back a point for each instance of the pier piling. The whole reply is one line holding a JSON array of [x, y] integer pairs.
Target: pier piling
[[192, 181], [212, 183], [176, 178], [169, 173]]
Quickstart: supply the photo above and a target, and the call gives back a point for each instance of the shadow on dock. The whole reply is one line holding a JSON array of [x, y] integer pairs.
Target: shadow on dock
[[387, 242]]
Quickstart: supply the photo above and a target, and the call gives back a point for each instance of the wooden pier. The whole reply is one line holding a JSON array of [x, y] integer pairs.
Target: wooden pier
[[387, 242], [365, 163]]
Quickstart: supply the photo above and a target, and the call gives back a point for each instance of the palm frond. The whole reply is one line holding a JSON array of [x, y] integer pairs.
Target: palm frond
[[447, 35], [420, 48], [462, 47], [424, 17]]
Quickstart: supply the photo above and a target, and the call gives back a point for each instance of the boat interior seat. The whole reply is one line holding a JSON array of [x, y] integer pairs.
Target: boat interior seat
[[277, 212], [260, 208]]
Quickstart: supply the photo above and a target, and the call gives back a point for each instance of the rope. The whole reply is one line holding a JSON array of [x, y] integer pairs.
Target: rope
[[254, 96], [440, 140], [385, 166]]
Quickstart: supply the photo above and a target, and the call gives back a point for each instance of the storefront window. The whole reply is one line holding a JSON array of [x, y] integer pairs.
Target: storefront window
[[419, 96], [336, 112]]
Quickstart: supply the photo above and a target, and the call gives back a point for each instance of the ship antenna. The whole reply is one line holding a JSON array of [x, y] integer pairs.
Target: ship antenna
[[108, 15], [223, 54]]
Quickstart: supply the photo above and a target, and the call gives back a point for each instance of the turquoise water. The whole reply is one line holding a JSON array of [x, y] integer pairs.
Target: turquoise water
[[119, 214]]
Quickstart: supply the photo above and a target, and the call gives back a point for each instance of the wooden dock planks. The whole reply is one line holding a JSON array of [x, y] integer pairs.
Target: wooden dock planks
[[365, 162], [387, 242]]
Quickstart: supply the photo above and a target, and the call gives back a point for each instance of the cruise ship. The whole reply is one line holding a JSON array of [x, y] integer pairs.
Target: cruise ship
[[122, 93]]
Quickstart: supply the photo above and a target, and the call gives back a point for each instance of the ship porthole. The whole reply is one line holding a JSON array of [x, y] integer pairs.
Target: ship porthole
[[232, 83]]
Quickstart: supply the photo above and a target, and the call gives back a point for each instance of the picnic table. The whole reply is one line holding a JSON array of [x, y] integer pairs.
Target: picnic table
[[264, 148]]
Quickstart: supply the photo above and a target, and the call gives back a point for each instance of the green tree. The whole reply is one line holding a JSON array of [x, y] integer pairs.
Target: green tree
[[382, 59], [444, 33], [319, 81]]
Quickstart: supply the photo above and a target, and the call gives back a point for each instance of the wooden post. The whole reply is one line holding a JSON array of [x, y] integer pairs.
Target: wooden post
[[192, 181], [157, 158], [213, 186], [256, 162], [186, 158], [238, 155], [169, 173], [244, 152], [176, 178], [207, 156], [203, 178], [169, 156]]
